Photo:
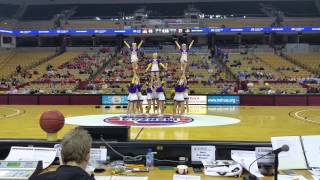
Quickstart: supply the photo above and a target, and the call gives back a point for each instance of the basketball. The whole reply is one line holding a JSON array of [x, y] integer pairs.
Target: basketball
[[51, 121]]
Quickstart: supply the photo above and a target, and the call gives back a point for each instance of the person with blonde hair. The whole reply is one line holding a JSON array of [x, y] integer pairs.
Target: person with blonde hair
[[184, 55], [154, 65], [178, 106], [161, 97], [75, 154], [132, 97], [134, 55]]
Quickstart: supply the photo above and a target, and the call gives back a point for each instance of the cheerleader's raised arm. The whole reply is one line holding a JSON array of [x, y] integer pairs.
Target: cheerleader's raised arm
[[134, 55]]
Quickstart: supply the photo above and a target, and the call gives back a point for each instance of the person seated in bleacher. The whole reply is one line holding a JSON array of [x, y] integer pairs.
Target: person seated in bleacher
[[75, 154]]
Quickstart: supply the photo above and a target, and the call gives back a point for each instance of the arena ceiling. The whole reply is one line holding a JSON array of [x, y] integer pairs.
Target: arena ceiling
[[42, 2]]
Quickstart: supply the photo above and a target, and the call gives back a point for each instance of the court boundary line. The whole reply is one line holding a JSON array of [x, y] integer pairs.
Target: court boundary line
[[138, 135], [297, 116], [16, 113]]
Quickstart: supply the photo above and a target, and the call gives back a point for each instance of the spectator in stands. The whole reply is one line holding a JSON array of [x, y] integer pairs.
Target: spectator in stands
[[18, 69], [75, 154]]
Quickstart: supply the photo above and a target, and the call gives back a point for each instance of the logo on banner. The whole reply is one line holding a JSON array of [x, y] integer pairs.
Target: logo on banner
[[223, 100], [197, 99], [148, 120], [114, 100]]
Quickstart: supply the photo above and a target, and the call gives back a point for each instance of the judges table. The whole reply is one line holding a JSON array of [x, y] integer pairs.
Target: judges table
[[158, 174]]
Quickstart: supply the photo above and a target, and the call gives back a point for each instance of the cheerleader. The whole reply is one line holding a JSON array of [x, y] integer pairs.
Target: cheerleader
[[154, 99], [139, 102], [186, 94], [186, 97], [154, 65], [178, 107], [149, 96], [184, 55], [132, 98], [161, 98], [134, 56]]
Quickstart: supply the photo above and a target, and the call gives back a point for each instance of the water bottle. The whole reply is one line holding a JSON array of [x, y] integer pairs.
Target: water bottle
[[149, 160]]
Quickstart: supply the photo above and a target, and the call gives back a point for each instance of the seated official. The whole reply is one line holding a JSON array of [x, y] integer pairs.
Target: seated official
[[75, 154]]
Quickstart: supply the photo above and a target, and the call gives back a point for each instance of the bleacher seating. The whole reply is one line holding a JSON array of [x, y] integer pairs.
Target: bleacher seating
[[251, 68], [286, 68], [309, 60], [92, 24], [238, 22], [48, 88], [259, 22], [26, 58], [41, 70], [277, 88]]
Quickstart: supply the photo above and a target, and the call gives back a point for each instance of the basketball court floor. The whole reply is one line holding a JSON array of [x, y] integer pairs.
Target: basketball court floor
[[223, 123]]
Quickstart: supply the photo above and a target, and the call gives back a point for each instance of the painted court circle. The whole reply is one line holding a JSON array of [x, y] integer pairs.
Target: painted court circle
[[151, 120]]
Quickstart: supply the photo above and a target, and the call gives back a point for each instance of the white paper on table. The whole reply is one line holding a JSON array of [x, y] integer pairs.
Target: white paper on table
[[185, 177], [98, 154], [121, 178], [199, 153], [311, 146], [46, 155], [287, 177], [3, 173], [245, 158], [316, 177], [315, 172], [292, 159]]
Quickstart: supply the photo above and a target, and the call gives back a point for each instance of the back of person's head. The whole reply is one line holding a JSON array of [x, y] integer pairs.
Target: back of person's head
[[76, 146]]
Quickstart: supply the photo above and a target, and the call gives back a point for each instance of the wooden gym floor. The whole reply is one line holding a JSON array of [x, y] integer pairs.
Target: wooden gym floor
[[257, 123]]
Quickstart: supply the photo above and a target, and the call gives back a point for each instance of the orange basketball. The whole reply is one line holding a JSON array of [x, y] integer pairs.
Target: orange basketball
[[52, 121]]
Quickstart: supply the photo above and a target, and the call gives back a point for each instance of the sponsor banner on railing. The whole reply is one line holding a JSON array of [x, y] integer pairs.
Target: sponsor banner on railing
[[114, 100], [223, 100], [200, 100]]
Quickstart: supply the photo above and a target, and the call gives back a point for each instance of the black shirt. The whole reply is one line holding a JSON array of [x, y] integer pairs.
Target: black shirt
[[65, 172]]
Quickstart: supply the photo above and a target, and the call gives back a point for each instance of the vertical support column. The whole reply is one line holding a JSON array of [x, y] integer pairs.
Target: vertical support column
[[39, 41], [299, 38], [1, 40], [271, 39], [94, 41], [239, 39]]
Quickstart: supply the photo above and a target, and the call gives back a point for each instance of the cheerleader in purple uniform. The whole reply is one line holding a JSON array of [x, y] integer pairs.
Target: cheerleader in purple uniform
[[186, 96], [184, 55], [134, 56], [155, 69], [161, 98], [139, 102], [178, 107], [154, 99], [132, 98], [149, 96]]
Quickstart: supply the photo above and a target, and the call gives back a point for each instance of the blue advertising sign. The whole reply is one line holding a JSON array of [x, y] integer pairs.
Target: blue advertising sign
[[286, 29], [114, 100], [223, 100]]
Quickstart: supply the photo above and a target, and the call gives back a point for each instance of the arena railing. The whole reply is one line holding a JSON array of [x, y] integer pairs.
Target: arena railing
[[215, 99]]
